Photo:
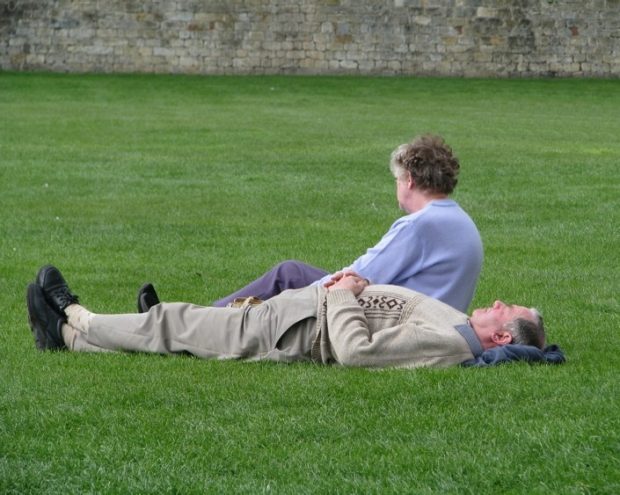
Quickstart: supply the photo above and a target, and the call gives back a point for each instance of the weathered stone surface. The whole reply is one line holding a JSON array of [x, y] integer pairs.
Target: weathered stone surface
[[502, 38]]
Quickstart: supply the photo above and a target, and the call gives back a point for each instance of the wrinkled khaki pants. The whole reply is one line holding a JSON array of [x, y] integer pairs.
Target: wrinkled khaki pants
[[281, 329]]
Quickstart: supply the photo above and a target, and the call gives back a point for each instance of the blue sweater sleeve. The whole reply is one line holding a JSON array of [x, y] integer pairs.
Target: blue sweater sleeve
[[397, 252]]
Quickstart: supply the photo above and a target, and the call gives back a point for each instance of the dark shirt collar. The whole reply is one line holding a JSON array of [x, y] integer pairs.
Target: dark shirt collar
[[468, 333]]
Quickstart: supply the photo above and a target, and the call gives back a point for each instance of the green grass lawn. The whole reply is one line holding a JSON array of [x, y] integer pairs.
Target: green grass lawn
[[199, 184]]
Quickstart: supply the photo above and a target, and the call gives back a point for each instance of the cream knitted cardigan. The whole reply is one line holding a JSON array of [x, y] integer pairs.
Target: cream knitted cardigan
[[388, 326]]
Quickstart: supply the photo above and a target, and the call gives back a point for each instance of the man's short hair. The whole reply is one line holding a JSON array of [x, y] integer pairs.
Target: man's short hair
[[526, 331], [430, 162]]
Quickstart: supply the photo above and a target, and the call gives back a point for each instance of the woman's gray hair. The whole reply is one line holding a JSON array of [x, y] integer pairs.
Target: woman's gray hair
[[430, 162], [528, 332], [396, 161]]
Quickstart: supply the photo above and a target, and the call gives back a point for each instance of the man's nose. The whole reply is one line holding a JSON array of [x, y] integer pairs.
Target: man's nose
[[498, 304]]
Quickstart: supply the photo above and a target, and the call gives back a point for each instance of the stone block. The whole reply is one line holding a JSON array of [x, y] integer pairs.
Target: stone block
[[96, 50], [163, 52], [486, 13], [422, 20], [179, 16], [17, 41]]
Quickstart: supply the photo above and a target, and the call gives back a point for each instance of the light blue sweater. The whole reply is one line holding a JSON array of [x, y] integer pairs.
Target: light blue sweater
[[436, 251]]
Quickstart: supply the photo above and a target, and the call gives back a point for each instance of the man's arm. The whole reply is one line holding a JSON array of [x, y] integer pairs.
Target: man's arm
[[402, 345]]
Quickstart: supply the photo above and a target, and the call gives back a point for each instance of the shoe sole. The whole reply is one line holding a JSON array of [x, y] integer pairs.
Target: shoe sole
[[40, 339]]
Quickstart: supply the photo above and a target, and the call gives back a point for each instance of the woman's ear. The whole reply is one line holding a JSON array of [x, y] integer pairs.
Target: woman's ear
[[410, 181]]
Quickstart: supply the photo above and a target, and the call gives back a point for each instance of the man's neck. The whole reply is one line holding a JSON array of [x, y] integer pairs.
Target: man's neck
[[419, 200], [484, 336]]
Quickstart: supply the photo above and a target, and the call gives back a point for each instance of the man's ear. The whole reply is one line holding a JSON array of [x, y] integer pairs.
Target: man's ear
[[501, 337]]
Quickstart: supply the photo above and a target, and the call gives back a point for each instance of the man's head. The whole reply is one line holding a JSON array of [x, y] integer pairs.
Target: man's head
[[428, 161], [503, 324]]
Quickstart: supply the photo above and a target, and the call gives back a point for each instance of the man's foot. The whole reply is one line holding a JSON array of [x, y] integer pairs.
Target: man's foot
[[147, 297], [55, 288], [45, 322]]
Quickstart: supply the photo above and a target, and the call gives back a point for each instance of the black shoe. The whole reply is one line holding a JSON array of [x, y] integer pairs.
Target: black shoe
[[55, 288], [147, 297], [45, 322]]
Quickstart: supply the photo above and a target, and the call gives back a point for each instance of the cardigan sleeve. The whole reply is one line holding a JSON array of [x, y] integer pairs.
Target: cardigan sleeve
[[403, 344]]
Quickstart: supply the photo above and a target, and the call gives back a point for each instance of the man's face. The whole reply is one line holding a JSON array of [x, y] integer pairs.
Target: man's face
[[499, 314]]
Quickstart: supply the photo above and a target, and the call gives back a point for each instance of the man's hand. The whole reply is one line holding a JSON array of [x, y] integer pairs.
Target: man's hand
[[338, 276], [352, 282]]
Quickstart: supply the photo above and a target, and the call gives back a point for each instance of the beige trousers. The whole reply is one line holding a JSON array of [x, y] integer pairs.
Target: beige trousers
[[281, 329]]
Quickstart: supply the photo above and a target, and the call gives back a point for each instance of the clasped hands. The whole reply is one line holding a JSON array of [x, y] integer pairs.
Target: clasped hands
[[347, 280]]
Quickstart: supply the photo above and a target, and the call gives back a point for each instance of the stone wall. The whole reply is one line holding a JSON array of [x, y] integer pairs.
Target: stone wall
[[498, 38]]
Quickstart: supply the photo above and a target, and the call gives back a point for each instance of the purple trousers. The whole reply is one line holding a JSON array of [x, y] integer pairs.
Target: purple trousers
[[290, 274]]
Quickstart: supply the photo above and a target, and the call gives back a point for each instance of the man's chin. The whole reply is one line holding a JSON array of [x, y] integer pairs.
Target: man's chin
[[476, 312]]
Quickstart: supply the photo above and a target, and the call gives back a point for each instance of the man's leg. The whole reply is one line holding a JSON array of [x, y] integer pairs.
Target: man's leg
[[170, 328], [76, 341], [289, 274]]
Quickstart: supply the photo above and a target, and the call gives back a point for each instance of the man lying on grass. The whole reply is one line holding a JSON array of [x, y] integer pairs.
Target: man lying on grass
[[350, 323]]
